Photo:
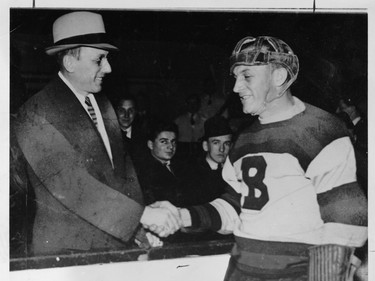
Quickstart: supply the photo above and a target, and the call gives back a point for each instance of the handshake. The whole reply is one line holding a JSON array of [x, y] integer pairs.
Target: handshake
[[164, 219]]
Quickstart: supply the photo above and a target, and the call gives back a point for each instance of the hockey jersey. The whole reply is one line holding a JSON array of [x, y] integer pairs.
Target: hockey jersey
[[292, 180]]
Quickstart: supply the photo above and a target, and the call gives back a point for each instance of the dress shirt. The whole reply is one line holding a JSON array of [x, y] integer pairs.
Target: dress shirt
[[128, 132], [356, 120], [101, 128], [212, 163]]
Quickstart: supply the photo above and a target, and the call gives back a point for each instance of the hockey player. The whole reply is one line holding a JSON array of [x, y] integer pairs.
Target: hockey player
[[295, 206]]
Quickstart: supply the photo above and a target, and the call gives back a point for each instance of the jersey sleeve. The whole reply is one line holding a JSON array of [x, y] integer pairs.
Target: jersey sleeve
[[222, 214], [334, 166], [343, 205]]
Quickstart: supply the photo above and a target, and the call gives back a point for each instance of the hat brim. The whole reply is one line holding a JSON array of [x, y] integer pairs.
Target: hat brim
[[58, 48]]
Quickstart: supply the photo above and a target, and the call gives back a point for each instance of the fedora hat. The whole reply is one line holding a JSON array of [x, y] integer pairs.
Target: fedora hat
[[216, 126], [79, 29]]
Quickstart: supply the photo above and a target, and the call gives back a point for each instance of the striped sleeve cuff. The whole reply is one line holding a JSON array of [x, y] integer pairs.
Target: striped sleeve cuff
[[205, 217]]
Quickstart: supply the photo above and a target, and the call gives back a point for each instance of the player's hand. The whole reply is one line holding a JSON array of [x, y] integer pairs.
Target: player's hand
[[168, 205], [161, 220], [153, 240]]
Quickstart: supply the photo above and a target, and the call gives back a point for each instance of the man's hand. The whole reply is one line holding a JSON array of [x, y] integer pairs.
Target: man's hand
[[153, 240], [161, 220], [168, 205], [182, 213]]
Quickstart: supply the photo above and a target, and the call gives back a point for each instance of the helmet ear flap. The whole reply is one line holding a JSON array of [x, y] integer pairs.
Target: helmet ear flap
[[279, 76]]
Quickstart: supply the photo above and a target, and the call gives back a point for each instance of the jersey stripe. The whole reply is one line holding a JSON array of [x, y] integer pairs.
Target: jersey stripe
[[305, 137]]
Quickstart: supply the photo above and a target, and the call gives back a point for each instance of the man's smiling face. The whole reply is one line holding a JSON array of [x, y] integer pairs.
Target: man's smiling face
[[89, 70], [252, 85]]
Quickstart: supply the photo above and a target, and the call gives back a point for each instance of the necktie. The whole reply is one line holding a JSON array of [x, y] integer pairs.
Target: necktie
[[192, 121], [168, 165], [219, 169], [91, 110]]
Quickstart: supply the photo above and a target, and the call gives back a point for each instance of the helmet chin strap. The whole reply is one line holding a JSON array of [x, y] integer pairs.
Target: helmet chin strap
[[263, 107], [260, 110]]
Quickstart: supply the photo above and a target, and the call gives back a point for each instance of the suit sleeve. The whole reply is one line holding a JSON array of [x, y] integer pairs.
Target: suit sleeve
[[62, 171]]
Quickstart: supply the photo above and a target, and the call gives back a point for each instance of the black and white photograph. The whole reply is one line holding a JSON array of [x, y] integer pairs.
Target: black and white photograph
[[182, 143]]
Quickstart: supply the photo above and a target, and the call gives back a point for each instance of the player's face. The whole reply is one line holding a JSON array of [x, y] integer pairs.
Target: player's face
[[218, 147], [164, 146], [89, 70], [126, 113], [252, 85]]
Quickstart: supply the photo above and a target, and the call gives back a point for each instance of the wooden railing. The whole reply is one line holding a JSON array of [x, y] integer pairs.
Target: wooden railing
[[167, 251]]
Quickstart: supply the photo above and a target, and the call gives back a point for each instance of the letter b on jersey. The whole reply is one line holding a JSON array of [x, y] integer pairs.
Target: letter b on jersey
[[253, 173]]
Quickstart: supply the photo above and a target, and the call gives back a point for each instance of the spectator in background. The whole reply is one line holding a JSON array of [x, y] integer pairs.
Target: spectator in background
[[351, 107], [348, 124], [354, 104], [212, 105], [190, 128], [207, 182], [165, 178], [131, 128], [159, 172]]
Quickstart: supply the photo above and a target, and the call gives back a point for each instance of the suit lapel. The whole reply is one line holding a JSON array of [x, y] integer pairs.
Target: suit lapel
[[113, 131], [68, 115]]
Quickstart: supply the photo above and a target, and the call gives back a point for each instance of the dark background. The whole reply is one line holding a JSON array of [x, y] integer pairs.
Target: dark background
[[167, 55]]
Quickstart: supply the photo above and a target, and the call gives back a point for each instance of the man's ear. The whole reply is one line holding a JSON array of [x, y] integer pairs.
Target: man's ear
[[150, 145], [69, 63], [279, 76], [205, 146]]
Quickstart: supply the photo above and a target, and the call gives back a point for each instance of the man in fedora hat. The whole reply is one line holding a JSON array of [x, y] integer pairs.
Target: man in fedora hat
[[207, 182], [86, 191]]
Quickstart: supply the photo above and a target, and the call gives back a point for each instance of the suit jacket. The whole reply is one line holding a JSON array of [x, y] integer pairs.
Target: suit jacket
[[82, 202], [136, 146], [157, 182], [361, 149], [360, 130], [204, 184]]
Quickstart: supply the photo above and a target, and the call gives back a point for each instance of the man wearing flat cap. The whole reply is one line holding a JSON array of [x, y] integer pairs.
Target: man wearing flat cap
[[86, 191]]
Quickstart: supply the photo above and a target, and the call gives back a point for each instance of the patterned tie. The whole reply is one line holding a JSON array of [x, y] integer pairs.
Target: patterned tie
[[91, 110]]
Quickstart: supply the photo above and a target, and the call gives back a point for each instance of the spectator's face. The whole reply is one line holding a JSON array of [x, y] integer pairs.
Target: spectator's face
[[344, 107], [164, 146], [87, 72], [253, 83], [126, 113], [217, 148]]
